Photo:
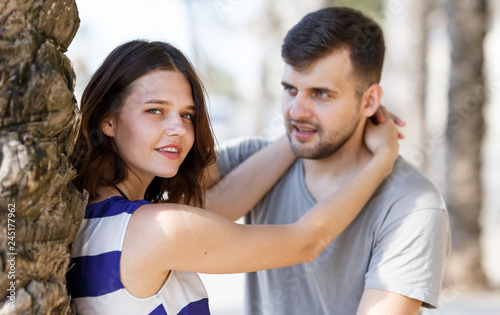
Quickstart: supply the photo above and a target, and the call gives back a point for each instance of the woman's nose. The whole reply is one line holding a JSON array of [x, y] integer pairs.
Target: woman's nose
[[175, 126]]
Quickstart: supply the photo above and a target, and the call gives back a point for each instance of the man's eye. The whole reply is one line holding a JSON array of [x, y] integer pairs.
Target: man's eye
[[154, 111], [290, 90], [322, 95]]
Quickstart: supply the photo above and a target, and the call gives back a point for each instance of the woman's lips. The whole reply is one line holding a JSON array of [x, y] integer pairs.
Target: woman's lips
[[171, 151]]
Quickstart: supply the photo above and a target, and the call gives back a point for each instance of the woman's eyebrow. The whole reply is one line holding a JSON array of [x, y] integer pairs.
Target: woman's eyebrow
[[168, 103], [160, 102]]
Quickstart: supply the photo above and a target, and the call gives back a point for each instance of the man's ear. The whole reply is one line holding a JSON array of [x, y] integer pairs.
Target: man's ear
[[371, 100], [108, 126]]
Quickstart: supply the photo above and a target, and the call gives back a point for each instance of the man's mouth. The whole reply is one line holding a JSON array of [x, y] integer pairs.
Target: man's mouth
[[303, 132]]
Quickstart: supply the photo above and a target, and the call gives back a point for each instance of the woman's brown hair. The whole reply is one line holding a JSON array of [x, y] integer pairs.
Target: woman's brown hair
[[96, 158]]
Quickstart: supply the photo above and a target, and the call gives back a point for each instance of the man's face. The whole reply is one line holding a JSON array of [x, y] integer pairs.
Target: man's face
[[320, 105]]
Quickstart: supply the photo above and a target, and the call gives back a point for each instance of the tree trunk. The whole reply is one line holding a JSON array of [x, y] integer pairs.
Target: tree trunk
[[465, 129], [40, 209], [404, 75]]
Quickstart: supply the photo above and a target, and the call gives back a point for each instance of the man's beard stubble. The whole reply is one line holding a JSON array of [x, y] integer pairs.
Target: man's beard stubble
[[328, 144]]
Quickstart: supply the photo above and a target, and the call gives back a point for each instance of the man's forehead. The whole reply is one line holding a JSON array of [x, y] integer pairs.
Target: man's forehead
[[334, 68], [307, 65]]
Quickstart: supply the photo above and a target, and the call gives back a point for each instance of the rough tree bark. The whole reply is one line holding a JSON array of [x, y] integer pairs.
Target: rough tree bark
[[465, 129], [38, 125]]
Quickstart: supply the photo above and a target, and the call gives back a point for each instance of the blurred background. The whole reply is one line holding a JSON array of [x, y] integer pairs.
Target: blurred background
[[441, 75]]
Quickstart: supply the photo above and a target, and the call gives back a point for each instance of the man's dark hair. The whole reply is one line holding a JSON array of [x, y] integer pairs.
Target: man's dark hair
[[324, 31]]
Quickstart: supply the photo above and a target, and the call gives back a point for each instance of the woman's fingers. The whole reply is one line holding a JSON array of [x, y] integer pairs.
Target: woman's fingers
[[378, 117], [381, 116], [398, 120]]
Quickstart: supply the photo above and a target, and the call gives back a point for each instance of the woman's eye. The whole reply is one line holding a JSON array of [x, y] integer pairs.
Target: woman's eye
[[154, 111], [188, 116]]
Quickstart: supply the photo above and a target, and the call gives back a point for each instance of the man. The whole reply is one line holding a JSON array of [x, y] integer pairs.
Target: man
[[390, 259]]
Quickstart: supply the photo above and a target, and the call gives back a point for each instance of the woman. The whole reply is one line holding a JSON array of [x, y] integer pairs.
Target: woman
[[143, 146]]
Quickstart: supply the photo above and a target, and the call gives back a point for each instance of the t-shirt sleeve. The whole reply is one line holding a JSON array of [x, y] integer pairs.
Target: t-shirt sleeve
[[409, 255], [233, 152]]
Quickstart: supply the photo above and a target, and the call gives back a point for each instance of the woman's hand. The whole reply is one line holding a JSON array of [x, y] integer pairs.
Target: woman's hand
[[379, 118], [382, 139]]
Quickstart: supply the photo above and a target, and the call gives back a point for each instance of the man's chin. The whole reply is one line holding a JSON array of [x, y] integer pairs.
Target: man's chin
[[303, 151], [313, 152]]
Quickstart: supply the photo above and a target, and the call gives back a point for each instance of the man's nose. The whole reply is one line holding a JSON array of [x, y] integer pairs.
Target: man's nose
[[301, 107]]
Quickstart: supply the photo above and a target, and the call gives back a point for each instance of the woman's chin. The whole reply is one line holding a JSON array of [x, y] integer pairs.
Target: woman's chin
[[168, 174]]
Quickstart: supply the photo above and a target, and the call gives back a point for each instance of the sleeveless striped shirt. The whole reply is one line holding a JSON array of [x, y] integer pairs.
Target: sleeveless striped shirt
[[94, 276]]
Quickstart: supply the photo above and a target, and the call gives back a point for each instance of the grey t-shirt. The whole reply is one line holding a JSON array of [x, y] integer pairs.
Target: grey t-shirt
[[397, 243]]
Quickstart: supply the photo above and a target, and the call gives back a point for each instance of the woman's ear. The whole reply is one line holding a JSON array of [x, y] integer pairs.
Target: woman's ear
[[371, 100], [108, 127]]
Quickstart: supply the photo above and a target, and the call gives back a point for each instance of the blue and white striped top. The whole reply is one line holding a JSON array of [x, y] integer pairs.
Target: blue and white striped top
[[94, 277]]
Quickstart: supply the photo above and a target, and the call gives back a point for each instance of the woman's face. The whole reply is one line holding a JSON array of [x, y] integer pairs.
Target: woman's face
[[154, 130]]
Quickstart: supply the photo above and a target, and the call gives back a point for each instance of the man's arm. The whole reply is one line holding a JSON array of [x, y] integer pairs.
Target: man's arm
[[235, 194], [380, 302], [229, 155], [211, 176]]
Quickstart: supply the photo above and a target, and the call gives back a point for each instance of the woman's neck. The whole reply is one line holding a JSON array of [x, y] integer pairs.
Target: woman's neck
[[129, 188], [133, 190]]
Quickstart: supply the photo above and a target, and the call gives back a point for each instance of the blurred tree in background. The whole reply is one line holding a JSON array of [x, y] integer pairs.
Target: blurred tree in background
[[464, 135], [405, 73]]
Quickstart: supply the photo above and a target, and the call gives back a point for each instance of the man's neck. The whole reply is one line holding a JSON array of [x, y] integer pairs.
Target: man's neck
[[324, 176]]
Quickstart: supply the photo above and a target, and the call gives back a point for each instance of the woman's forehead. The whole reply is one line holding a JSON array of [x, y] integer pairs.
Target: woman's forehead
[[163, 87]]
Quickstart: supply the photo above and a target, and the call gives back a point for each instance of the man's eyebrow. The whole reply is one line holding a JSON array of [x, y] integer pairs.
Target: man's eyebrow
[[316, 89], [324, 90]]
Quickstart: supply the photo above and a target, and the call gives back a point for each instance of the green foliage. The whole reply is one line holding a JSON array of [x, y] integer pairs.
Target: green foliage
[[371, 8], [362, 5]]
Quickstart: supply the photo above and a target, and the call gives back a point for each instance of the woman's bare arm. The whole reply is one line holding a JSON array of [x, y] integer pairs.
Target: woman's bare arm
[[179, 237], [190, 239], [234, 195]]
